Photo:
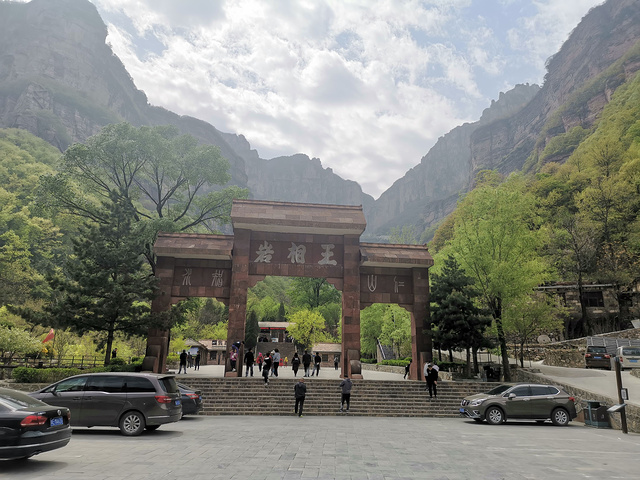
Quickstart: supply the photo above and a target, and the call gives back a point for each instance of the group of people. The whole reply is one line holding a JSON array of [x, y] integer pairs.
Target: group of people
[[188, 361], [300, 392]]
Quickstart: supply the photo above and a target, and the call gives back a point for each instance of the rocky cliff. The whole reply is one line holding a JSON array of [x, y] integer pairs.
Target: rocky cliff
[[514, 130]]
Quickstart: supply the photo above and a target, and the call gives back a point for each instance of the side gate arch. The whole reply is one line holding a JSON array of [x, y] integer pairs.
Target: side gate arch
[[293, 240]]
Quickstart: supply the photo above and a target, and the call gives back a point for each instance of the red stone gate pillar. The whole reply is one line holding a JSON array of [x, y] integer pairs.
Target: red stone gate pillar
[[351, 308], [155, 358], [421, 346], [238, 297]]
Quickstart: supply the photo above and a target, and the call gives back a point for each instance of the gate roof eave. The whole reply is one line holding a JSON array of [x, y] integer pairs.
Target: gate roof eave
[[395, 256], [194, 245]]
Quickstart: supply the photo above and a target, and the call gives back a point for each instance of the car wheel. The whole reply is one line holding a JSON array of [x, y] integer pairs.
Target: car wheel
[[560, 417], [151, 428], [132, 423], [494, 416]]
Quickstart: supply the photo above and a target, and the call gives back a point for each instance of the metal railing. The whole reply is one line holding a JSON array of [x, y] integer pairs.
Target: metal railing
[[77, 361]]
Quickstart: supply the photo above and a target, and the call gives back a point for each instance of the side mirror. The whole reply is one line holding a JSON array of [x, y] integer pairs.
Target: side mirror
[[512, 396]]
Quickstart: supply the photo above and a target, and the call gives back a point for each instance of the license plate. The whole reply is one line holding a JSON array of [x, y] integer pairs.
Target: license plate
[[462, 410], [55, 421], [178, 402], [598, 358], [633, 360]]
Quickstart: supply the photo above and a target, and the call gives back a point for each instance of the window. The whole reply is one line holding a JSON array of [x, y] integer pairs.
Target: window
[[593, 299], [521, 391], [105, 383], [71, 385], [325, 357], [138, 384], [540, 390]]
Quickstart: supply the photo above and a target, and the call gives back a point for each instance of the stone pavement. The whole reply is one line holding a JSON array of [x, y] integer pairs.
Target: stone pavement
[[353, 448]]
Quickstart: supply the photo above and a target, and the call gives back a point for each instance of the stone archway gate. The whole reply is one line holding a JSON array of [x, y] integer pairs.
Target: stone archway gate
[[295, 240]]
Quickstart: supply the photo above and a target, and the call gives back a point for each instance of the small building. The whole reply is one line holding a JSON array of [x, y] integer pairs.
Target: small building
[[328, 352], [216, 351], [274, 332]]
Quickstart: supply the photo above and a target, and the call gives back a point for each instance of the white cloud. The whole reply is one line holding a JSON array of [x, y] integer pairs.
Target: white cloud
[[366, 86]]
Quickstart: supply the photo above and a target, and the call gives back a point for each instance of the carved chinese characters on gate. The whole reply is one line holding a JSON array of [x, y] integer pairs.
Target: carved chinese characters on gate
[[296, 253], [212, 280], [396, 287]]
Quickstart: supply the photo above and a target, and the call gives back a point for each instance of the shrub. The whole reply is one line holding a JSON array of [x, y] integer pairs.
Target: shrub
[[368, 360], [42, 375], [395, 363], [117, 361]]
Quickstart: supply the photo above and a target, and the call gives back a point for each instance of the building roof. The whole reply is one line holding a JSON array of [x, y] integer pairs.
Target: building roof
[[274, 325], [288, 217], [194, 245], [327, 348], [392, 255]]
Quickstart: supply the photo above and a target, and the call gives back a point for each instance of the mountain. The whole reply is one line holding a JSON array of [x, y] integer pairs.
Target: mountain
[[599, 56], [60, 81]]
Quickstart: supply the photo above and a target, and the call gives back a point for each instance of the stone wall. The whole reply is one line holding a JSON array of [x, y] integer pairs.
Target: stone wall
[[374, 367], [633, 412]]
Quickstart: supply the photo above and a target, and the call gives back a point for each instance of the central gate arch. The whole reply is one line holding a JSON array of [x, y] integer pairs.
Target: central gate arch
[[293, 240]]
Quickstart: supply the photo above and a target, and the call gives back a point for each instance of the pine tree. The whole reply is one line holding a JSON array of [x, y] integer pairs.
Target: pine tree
[[109, 287]]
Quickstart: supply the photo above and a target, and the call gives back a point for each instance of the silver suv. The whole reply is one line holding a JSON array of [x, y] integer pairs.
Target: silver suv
[[131, 401], [521, 401]]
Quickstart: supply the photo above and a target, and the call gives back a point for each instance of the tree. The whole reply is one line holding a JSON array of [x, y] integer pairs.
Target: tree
[[108, 289], [252, 330], [496, 240], [459, 321], [396, 330], [16, 341], [168, 180], [404, 236], [312, 292], [371, 320], [529, 316], [307, 328]]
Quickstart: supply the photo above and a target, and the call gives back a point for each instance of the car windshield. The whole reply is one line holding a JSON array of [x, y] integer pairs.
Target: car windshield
[[17, 400], [498, 390], [597, 349], [169, 384], [631, 351]]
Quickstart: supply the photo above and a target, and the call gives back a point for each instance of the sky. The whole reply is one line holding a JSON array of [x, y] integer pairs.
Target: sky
[[366, 86]]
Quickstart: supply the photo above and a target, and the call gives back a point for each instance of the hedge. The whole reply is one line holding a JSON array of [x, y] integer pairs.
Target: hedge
[[51, 375]]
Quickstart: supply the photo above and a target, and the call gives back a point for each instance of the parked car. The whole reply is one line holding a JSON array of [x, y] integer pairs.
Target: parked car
[[29, 426], [522, 402], [597, 357], [132, 402], [191, 400], [629, 357]]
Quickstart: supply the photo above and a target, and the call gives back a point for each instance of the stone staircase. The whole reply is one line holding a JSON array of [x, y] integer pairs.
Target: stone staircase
[[249, 396]]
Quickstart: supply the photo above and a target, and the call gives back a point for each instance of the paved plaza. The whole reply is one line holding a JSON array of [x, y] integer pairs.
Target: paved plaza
[[266, 448]]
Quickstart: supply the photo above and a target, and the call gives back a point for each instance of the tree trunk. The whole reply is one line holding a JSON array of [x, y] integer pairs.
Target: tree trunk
[[476, 369], [496, 310], [467, 368], [450, 355], [583, 309], [521, 355], [107, 357]]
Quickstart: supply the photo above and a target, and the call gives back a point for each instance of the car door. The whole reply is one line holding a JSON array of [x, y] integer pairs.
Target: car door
[[66, 393], [542, 401], [104, 399], [518, 406]]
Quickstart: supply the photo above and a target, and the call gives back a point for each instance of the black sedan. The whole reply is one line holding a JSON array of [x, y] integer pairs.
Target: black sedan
[[191, 400], [29, 426]]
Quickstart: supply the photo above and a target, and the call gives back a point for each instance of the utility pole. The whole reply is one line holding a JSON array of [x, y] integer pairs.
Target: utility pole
[[623, 413]]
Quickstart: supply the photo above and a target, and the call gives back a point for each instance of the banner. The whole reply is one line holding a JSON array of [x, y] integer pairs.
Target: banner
[[49, 336]]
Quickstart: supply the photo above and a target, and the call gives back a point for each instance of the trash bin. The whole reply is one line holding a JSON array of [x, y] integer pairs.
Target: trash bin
[[590, 415], [601, 419]]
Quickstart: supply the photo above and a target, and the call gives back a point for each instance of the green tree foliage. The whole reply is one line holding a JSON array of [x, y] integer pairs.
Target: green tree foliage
[[307, 328], [108, 288], [252, 330], [371, 320], [496, 240], [312, 292], [455, 313], [396, 330], [15, 341], [529, 316], [404, 236], [169, 180]]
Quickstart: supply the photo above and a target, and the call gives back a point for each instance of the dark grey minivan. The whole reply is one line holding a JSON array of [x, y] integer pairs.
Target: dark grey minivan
[[130, 401]]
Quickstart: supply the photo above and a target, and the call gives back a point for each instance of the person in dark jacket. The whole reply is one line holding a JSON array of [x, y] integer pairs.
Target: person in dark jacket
[[295, 364], [197, 364], [407, 367], [248, 361], [266, 368], [431, 376], [306, 361], [183, 362], [346, 386], [300, 390], [317, 360]]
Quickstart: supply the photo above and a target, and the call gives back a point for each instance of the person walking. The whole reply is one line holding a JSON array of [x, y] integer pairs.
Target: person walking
[[197, 361], [286, 361], [295, 364], [265, 368], [276, 362], [306, 361], [183, 362], [431, 376], [335, 362], [114, 353], [317, 360], [248, 361], [300, 390], [189, 360], [406, 369], [346, 386], [260, 360], [233, 356]]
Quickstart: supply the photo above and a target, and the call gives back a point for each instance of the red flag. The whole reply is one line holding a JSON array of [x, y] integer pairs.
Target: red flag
[[49, 336]]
